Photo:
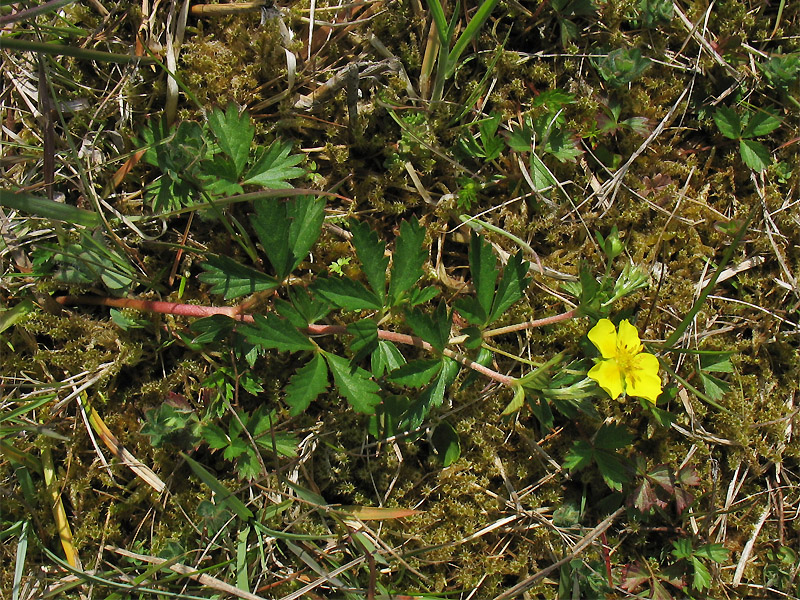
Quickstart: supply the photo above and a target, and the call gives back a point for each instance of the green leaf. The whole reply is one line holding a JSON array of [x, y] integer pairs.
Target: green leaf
[[716, 362], [49, 209], [716, 552], [511, 288], [224, 495], [386, 357], [365, 338], [702, 578], [212, 329], [433, 329], [346, 293], [446, 444], [371, 252], [611, 437], [611, 467], [354, 383], [714, 387], [214, 436], [236, 447], [247, 464], [433, 395], [280, 442], [517, 401], [275, 167], [484, 272], [754, 154], [579, 456], [274, 333], [304, 308], [287, 229], [232, 279], [728, 122], [424, 295], [416, 373], [761, 123], [234, 133], [409, 256], [306, 384]]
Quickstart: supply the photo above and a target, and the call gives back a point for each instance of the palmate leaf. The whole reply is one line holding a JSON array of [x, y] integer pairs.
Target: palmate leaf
[[232, 279], [365, 338], [234, 134], [386, 357], [371, 252], [275, 167], [433, 395], [409, 256], [306, 384], [274, 333], [354, 383], [433, 329], [287, 229], [728, 122]]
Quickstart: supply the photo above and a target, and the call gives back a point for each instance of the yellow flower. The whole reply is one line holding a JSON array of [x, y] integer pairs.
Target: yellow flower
[[624, 368]]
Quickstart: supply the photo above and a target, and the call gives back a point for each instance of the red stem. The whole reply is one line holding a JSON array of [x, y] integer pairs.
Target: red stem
[[234, 312]]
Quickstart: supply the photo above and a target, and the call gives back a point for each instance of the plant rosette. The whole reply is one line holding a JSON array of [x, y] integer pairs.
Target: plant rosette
[[623, 368]]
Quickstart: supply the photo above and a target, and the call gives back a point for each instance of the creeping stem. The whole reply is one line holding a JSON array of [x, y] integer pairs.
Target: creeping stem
[[234, 312]]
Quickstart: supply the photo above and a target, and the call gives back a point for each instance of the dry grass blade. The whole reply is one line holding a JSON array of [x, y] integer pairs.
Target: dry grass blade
[[201, 578]]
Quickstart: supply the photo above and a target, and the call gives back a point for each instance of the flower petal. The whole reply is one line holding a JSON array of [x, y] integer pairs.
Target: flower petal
[[604, 337], [607, 375], [643, 379], [628, 340]]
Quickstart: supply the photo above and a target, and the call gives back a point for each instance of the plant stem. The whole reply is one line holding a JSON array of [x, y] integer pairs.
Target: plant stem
[[234, 312]]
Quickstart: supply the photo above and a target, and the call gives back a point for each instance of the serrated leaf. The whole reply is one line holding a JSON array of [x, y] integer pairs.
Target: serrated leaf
[[247, 465], [365, 338], [275, 167], [409, 256], [287, 229], [714, 387], [214, 436], [511, 288], [354, 383], [274, 333], [717, 362], [371, 252], [446, 443], [754, 154], [306, 384], [303, 307], [280, 442], [232, 279], [424, 295], [760, 123], [702, 578], [433, 395], [224, 495], [611, 437], [416, 373], [484, 272], [234, 134], [716, 552], [236, 447], [517, 401], [579, 456], [212, 329], [611, 468], [433, 329], [346, 293], [728, 122], [386, 357]]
